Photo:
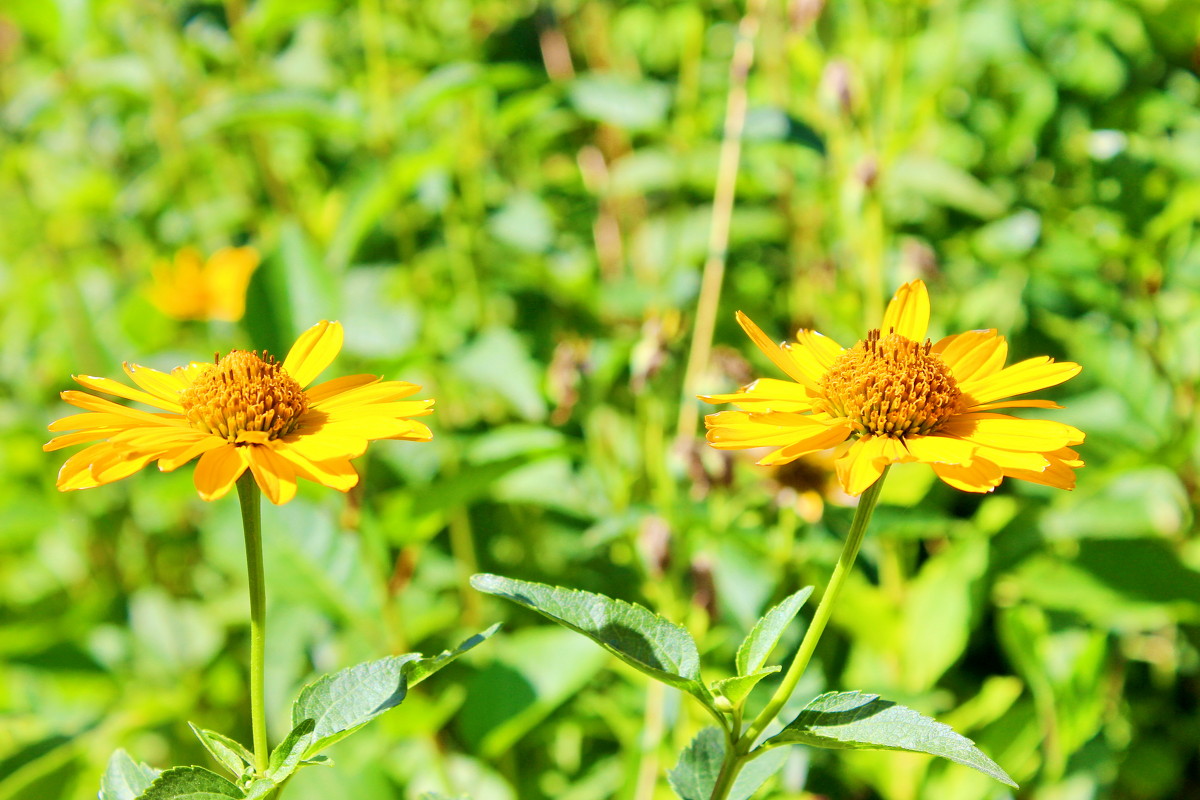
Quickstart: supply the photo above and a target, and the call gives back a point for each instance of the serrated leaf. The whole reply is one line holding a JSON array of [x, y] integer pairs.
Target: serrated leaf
[[423, 668], [341, 703], [758, 644], [700, 763], [288, 755], [191, 783], [737, 689], [639, 637], [124, 778], [858, 721], [230, 754]]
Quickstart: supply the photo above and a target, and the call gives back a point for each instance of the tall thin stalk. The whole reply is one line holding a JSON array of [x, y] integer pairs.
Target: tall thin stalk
[[718, 236]]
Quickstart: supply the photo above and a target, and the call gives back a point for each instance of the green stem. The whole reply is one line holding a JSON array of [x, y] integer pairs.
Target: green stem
[[248, 494], [736, 757]]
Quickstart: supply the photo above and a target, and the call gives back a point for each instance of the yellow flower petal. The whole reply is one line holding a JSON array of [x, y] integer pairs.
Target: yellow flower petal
[[326, 390], [974, 354], [68, 439], [217, 471], [863, 463], [99, 404], [336, 473], [273, 473], [177, 456], [820, 440], [186, 375], [1026, 376], [191, 288], [78, 422], [376, 393], [908, 312], [980, 476], [75, 472], [411, 408], [325, 446], [417, 432], [738, 430], [1059, 474], [1013, 459], [313, 352], [1012, 433], [160, 384], [800, 366], [375, 428], [109, 386], [766, 394], [1015, 404], [118, 464], [940, 449], [822, 348]]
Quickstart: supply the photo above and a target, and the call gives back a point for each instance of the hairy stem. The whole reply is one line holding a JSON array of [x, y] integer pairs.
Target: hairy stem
[[738, 755], [248, 495]]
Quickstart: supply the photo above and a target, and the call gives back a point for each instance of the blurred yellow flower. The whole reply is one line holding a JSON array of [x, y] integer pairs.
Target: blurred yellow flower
[[896, 397], [244, 411], [191, 288]]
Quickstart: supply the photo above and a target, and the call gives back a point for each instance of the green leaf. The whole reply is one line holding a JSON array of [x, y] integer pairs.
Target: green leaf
[[191, 783], [261, 788], [634, 634], [422, 668], [230, 754], [761, 640], [700, 763], [736, 690], [858, 721], [288, 755], [341, 703], [124, 778]]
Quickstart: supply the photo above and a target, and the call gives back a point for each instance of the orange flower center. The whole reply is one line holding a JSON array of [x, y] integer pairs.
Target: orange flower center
[[891, 386], [243, 392]]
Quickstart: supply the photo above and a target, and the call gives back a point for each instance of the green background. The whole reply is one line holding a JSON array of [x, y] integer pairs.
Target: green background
[[509, 203]]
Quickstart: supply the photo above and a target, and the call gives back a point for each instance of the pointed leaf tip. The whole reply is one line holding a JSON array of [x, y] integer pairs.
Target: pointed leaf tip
[[639, 637], [858, 721], [767, 632], [124, 778]]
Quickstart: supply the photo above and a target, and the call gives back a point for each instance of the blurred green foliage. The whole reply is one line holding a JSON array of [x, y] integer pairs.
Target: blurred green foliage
[[509, 202]]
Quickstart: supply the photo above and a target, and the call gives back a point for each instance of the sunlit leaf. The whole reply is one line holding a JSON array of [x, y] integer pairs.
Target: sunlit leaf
[[858, 721], [634, 634], [124, 778]]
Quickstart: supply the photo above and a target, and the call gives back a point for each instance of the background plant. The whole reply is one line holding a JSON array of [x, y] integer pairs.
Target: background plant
[[511, 204]]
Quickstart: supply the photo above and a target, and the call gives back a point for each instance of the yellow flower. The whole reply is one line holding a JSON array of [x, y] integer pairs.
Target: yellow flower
[[896, 397], [241, 412], [193, 289]]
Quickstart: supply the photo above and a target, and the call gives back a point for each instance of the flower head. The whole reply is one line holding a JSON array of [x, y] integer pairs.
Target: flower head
[[192, 288], [245, 411], [896, 397]]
